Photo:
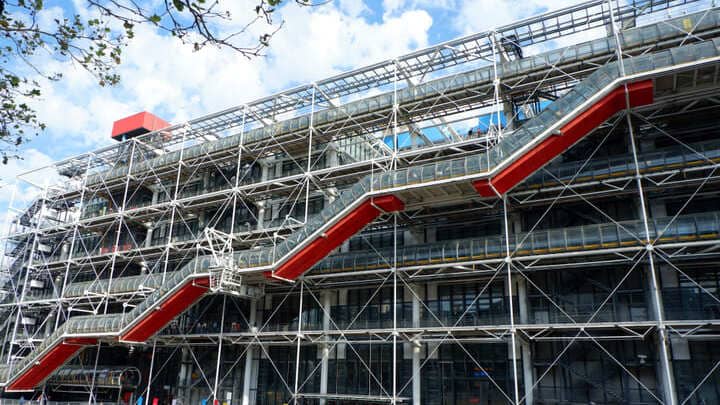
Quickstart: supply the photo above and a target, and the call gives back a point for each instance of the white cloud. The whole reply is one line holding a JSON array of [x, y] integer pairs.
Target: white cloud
[[329, 41], [35, 171], [480, 15], [162, 75], [392, 7]]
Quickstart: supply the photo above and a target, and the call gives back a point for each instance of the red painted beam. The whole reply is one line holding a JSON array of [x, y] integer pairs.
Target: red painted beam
[[51, 361], [641, 93], [348, 226], [173, 306]]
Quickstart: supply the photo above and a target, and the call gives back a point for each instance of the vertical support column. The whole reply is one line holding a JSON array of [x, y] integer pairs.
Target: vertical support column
[[299, 337], [184, 377], [25, 286], [342, 299], [148, 390], [308, 171], [216, 398], [150, 225], [149, 234], [121, 221], [326, 297], [666, 372], [526, 351], [523, 306], [173, 203], [261, 205], [396, 108], [75, 231], [238, 165], [511, 307], [417, 347], [250, 374]]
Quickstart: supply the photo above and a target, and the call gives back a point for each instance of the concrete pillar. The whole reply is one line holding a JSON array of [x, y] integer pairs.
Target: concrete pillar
[[184, 377], [528, 371], [522, 298], [50, 323], [201, 220], [341, 347], [261, 214], [431, 295], [278, 168], [205, 179], [416, 347], [251, 365], [267, 169], [148, 234], [64, 250], [326, 297], [331, 155], [520, 288]]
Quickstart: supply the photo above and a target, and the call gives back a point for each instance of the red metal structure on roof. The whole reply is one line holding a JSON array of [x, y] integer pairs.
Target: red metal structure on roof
[[137, 124]]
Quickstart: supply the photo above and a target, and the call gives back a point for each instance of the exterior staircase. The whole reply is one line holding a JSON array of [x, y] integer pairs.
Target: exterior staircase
[[493, 173]]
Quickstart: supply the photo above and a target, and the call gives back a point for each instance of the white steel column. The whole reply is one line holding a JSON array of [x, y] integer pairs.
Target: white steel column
[[396, 107], [75, 231], [325, 345], [174, 204], [299, 338], [219, 352], [666, 373], [416, 348], [121, 220], [28, 269], [513, 330], [249, 377]]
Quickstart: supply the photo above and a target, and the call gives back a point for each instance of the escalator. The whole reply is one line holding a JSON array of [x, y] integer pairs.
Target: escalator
[[515, 157]]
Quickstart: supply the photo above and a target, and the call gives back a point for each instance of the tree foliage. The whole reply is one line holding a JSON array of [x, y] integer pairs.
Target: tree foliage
[[94, 40]]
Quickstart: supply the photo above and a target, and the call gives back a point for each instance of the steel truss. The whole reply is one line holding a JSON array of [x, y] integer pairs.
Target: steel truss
[[115, 233]]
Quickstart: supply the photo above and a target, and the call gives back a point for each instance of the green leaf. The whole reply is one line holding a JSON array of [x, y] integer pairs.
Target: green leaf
[[178, 5], [155, 18]]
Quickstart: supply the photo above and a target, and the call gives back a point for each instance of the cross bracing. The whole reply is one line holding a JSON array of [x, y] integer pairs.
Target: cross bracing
[[579, 272]]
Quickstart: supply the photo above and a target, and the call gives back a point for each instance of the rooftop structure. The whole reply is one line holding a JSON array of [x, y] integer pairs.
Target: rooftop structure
[[527, 215]]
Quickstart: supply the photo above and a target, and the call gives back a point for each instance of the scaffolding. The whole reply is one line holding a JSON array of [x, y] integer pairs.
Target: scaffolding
[[527, 215]]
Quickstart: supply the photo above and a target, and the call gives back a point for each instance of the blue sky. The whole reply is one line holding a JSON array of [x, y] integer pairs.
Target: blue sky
[[161, 75]]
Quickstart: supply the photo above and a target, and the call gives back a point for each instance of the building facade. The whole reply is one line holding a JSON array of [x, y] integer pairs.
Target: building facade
[[528, 215]]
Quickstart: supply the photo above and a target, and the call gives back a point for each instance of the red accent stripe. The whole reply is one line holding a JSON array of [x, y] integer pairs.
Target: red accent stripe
[[56, 357], [348, 226], [641, 93], [178, 302]]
